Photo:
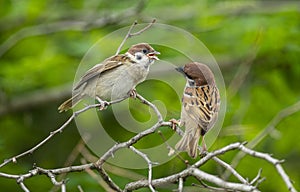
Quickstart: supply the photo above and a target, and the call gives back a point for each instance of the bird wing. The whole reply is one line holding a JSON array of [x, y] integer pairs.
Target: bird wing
[[202, 105], [108, 64]]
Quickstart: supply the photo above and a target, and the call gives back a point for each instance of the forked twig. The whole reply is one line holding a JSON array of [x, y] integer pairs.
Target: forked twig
[[144, 156], [129, 34]]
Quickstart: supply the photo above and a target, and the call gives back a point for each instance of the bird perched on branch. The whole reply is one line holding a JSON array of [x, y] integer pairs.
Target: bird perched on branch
[[114, 78], [200, 106]]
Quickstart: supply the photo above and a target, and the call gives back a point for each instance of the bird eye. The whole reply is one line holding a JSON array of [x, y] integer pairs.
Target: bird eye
[[145, 51], [191, 82]]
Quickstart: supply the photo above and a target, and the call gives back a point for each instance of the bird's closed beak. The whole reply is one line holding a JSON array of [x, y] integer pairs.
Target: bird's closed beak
[[153, 54], [180, 70]]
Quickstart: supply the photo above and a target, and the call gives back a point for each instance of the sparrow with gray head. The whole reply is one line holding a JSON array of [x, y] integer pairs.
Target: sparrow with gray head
[[200, 106], [114, 78]]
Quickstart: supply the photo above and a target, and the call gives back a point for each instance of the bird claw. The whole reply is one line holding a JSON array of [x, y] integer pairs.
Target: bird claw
[[132, 93], [103, 104], [174, 123], [203, 150]]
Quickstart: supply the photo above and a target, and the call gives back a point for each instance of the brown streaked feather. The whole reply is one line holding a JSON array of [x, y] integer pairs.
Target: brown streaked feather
[[107, 65], [203, 108]]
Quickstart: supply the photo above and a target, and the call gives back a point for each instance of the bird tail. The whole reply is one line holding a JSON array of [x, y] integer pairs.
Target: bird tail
[[189, 142], [68, 104]]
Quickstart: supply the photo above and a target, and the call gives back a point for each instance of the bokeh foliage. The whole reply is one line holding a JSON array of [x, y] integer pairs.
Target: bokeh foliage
[[233, 31]]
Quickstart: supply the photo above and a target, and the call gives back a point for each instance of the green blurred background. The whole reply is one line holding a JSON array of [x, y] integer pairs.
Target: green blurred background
[[256, 44]]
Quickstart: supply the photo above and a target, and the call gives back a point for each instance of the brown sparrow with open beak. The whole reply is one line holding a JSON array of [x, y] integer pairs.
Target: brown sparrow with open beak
[[200, 106], [114, 78]]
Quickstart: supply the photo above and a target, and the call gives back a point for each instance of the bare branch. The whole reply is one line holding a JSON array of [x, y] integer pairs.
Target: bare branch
[[258, 176], [275, 162], [190, 171], [63, 187], [144, 29], [229, 168], [30, 151], [144, 156], [108, 180], [80, 188], [59, 130], [99, 164], [128, 143], [171, 150], [180, 185], [71, 158], [98, 178], [210, 188], [24, 187], [265, 132], [137, 137], [129, 34], [112, 169], [200, 175], [126, 37]]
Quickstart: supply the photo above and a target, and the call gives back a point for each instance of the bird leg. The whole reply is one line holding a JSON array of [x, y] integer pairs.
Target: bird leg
[[174, 123], [132, 93], [204, 148], [103, 104]]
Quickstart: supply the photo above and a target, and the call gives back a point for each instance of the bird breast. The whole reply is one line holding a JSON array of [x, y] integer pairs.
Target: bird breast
[[116, 83]]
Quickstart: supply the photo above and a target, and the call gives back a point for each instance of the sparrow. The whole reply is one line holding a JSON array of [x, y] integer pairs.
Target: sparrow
[[114, 78], [200, 106]]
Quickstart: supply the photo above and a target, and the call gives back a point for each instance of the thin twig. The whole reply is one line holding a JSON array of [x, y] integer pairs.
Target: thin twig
[[59, 130], [108, 180], [112, 169], [98, 178], [180, 185], [63, 187], [258, 176], [24, 187], [80, 188], [275, 162], [30, 151], [281, 115], [144, 156], [72, 157], [229, 168], [171, 150], [144, 29], [210, 188], [129, 34], [126, 37]]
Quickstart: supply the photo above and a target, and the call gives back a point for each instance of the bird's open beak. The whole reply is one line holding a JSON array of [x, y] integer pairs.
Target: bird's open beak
[[153, 55]]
